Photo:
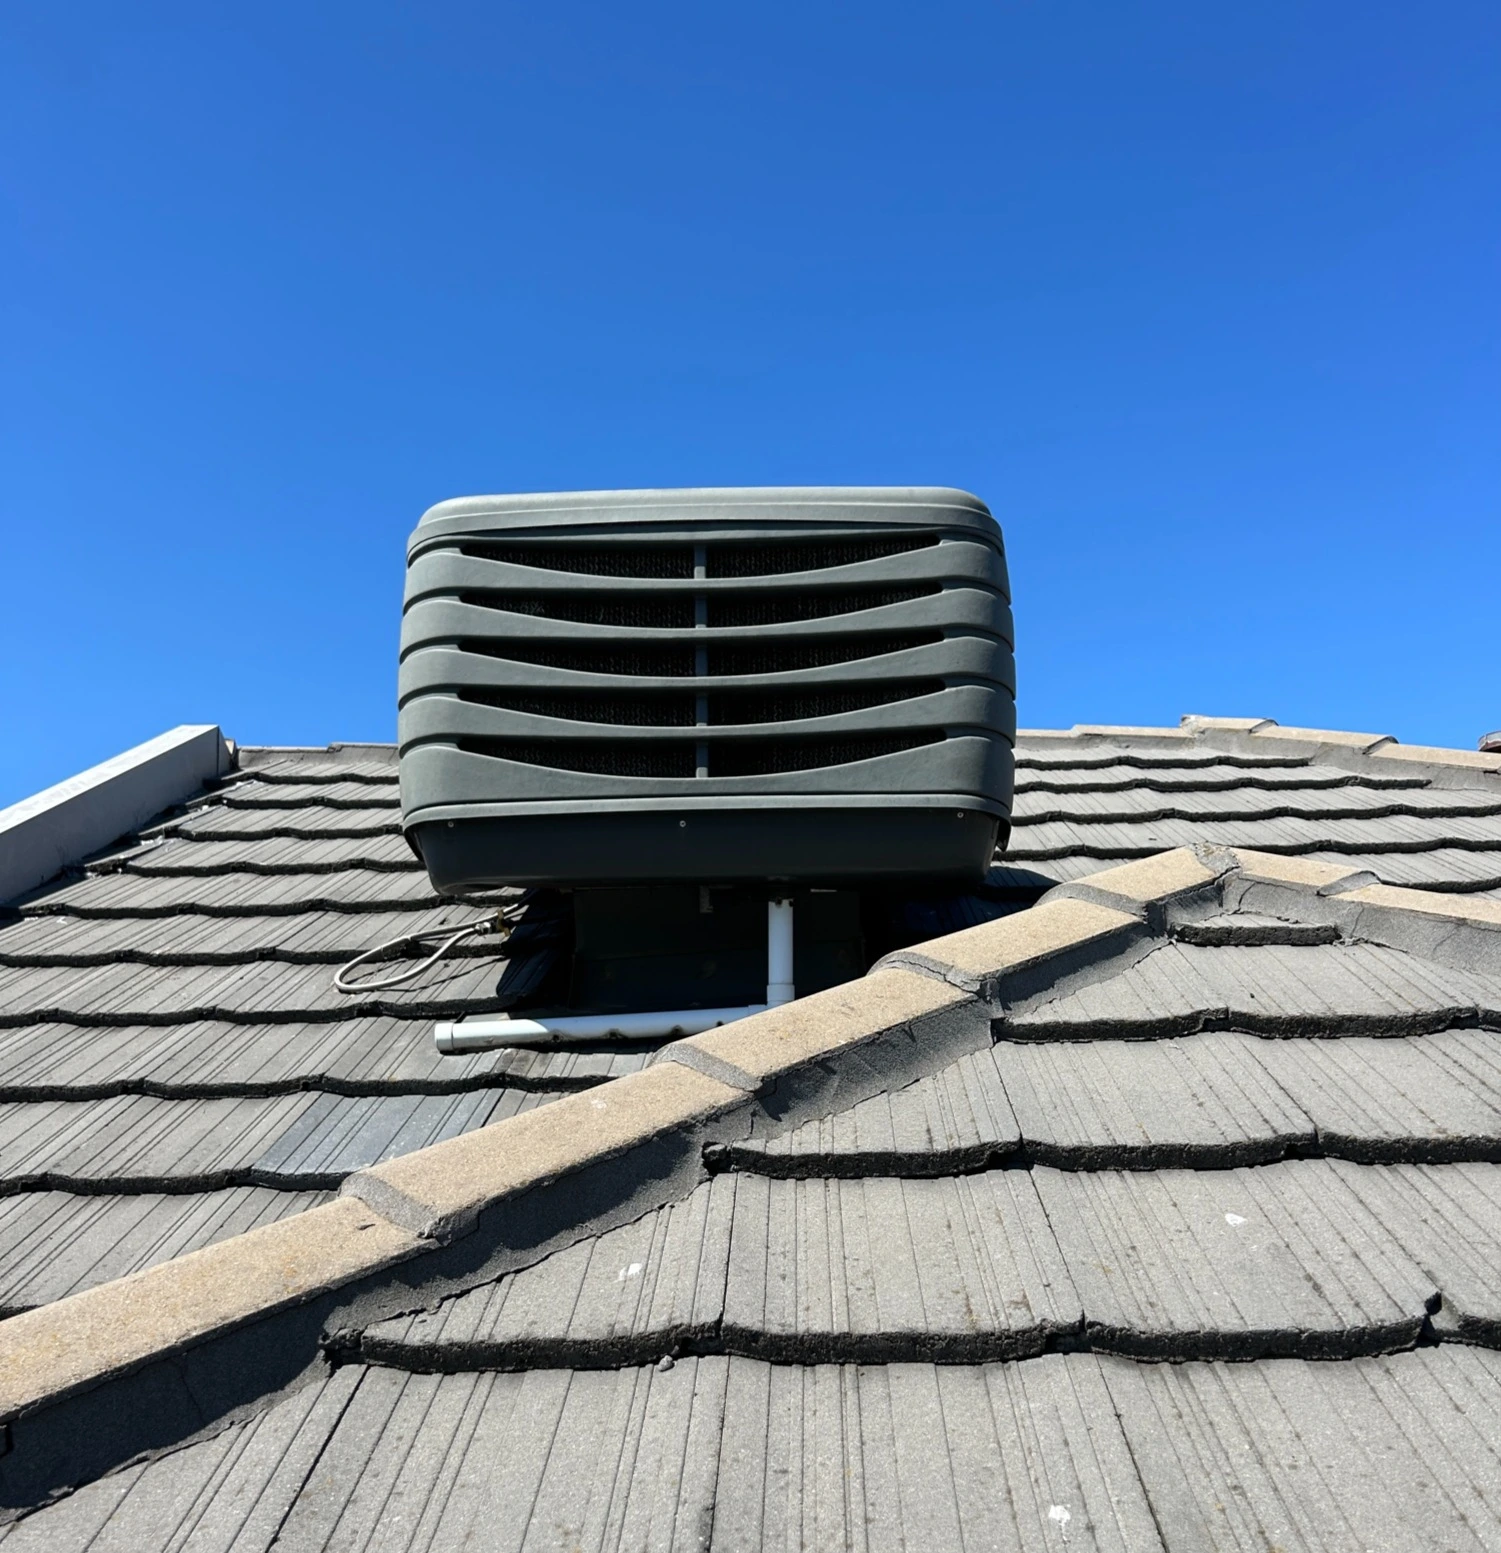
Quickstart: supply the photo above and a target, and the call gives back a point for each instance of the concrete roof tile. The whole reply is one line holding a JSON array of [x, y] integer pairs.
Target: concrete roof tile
[[296, 855], [232, 1491], [1284, 1258], [794, 1270], [53, 1244], [1206, 773], [1282, 989], [955, 1119], [1205, 1100], [142, 1143], [1391, 1453], [915, 1457]]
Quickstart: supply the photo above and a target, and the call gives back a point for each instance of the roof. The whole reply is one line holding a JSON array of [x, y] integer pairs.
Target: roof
[[898, 1266], [1415, 816]]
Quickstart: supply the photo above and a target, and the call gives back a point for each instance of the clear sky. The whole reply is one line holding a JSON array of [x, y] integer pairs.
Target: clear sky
[[1201, 298]]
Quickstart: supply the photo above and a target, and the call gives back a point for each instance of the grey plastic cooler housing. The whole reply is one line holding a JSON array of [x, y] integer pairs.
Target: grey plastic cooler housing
[[813, 685]]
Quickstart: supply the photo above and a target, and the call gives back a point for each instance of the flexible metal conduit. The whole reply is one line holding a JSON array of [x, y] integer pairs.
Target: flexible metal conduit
[[454, 1038]]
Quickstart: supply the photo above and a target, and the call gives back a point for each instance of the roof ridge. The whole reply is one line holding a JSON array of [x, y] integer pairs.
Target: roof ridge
[[1249, 735]]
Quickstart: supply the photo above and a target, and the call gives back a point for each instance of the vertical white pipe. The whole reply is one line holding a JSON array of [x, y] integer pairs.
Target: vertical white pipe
[[779, 979]]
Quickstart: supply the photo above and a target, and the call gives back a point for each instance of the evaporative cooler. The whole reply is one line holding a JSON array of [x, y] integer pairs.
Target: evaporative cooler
[[752, 690]]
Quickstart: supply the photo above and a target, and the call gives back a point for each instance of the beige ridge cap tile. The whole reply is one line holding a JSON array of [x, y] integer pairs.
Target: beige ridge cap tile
[[1437, 755], [104, 1331], [1195, 723], [1155, 878], [976, 954], [824, 1023], [1044, 733], [1478, 909], [1112, 731], [1332, 736], [1277, 869], [452, 1181]]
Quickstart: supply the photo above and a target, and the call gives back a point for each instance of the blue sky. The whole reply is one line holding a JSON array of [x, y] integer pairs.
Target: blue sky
[[1202, 299]]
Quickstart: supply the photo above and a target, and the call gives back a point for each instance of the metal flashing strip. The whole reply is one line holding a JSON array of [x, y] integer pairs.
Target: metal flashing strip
[[42, 835]]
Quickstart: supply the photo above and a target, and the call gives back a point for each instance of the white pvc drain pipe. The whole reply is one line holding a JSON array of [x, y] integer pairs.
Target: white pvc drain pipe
[[478, 1035], [779, 952]]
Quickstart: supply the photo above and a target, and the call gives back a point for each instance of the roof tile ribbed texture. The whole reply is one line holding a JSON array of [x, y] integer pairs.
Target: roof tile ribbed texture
[[934, 1318], [168, 1024], [1084, 802]]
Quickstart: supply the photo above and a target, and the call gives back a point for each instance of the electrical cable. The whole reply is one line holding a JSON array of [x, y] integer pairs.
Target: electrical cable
[[444, 938]]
